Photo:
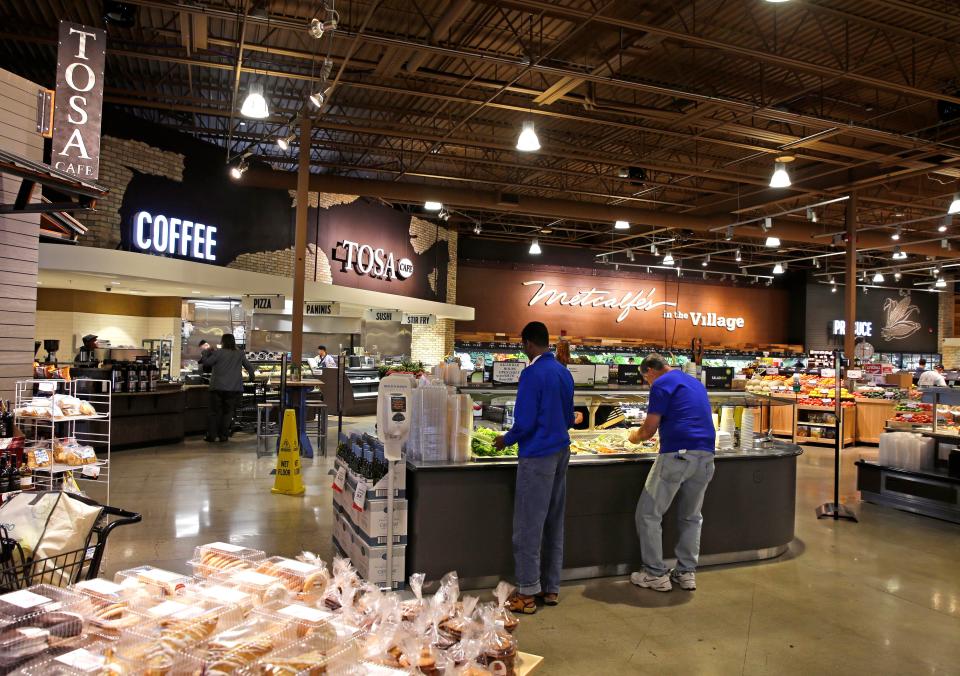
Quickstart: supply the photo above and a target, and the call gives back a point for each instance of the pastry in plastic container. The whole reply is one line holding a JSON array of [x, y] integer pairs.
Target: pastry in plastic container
[[311, 656], [221, 557], [265, 588], [89, 659], [225, 592], [300, 577], [164, 581], [237, 649]]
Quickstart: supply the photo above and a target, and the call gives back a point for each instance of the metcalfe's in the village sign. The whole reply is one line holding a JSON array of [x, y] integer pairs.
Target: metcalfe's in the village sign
[[77, 113], [621, 306]]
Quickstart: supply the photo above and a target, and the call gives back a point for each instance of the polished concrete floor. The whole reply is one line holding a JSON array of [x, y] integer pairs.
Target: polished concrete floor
[[880, 596]]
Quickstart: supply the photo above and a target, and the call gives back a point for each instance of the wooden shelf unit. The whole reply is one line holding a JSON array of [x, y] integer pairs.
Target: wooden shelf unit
[[848, 424]]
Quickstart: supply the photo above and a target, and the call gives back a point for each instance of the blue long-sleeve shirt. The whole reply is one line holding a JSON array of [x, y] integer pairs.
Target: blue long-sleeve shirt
[[543, 413]]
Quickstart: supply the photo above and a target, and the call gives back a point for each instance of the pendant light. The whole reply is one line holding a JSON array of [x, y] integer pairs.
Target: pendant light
[[535, 247], [898, 253], [668, 259], [941, 283], [432, 206], [778, 269], [528, 141], [942, 227], [780, 177], [955, 205], [706, 261], [878, 278], [896, 234], [255, 106], [772, 242], [738, 257], [621, 225], [897, 275]]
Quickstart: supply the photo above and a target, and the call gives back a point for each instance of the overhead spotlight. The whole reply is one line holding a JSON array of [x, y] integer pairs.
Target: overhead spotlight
[[955, 205], [897, 275], [432, 206], [816, 263], [648, 269], [942, 227], [772, 242], [729, 234], [706, 261], [737, 256], [535, 247], [833, 280], [780, 177], [621, 225], [653, 250], [668, 259], [898, 253], [320, 97], [866, 290], [285, 141], [935, 271], [878, 278], [317, 28], [896, 234], [255, 106], [527, 141], [630, 256], [477, 229], [444, 215], [941, 283], [833, 289], [704, 274], [944, 243], [237, 170], [811, 215], [767, 223], [778, 269], [616, 266]]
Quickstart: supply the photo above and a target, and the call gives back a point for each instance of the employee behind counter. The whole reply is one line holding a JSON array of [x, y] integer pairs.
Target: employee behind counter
[[87, 353]]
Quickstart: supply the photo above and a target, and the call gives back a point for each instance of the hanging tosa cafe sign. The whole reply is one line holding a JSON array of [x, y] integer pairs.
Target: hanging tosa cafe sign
[[366, 260], [77, 112], [642, 300]]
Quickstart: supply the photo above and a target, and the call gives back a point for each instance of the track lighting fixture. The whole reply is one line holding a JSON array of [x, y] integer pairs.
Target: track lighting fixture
[[833, 289], [477, 229], [316, 28], [816, 263], [527, 141], [443, 215], [285, 141], [942, 227], [237, 170], [767, 223], [811, 215], [653, 250], [955, 205], [318, 98]]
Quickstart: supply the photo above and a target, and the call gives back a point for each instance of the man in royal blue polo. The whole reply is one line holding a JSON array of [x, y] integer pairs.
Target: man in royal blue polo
[[680, 409], [542, 416]]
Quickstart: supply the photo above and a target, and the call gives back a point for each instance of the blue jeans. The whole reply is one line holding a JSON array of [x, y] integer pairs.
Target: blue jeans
[[538, 509], [686, 474]]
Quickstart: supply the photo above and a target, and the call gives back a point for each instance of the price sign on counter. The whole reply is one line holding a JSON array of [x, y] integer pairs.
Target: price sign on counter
[[507, 372], [360, 495], [773, 371], [854, 374], [340, 479]]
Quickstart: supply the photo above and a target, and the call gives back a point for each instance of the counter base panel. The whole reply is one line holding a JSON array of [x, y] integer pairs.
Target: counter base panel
[[462, 518], [930, 494]]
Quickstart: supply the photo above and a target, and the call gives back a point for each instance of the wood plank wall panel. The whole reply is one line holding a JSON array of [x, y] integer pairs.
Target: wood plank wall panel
[[19, 236]]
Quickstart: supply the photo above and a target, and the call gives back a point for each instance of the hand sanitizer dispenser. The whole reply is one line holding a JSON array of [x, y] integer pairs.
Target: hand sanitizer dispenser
[[393, 413]]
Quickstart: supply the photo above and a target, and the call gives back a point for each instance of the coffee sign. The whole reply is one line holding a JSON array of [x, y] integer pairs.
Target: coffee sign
[[77, 114]]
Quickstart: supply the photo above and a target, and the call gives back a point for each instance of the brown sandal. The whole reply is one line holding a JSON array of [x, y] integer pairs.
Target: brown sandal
[[549, 599], [521, 603]]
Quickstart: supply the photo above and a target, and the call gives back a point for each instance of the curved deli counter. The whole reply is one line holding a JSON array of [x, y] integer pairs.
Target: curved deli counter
[[460, 514]]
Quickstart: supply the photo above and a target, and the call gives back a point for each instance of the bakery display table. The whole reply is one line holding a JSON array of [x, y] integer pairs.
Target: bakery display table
[[460, 515]]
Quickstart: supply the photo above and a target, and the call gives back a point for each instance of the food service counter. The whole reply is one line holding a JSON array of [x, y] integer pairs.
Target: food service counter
[[461, 515]]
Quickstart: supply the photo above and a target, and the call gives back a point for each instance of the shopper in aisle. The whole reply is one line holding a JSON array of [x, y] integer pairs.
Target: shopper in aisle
[[680, 409], [543, 414], [932, 378], [226, 386], [917, 372]]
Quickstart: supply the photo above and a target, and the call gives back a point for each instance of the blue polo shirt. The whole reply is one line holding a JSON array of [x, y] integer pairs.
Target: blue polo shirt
[[686, 417]]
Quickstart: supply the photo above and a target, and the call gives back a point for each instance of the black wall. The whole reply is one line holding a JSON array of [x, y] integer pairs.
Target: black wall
[[878, 306]]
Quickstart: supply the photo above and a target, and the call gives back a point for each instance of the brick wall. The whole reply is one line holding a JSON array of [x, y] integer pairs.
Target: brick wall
[[945, 311], [430, 344], [119, 158]]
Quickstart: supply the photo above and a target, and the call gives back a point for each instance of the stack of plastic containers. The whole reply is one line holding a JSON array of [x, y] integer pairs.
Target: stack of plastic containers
[[460, 425], [746, 430], [429, 435], [906, 450], [727, 429]]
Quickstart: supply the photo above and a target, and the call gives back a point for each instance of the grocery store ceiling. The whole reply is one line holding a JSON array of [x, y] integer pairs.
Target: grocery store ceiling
[[675, 110]]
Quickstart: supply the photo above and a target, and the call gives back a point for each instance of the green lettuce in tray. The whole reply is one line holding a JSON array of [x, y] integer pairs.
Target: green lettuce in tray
[[482, 444]]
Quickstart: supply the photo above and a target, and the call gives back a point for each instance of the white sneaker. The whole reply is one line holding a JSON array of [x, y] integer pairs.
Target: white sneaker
[[648, 581], [687, 581]]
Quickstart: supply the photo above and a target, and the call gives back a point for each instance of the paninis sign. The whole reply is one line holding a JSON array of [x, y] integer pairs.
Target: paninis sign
[[79, 100]]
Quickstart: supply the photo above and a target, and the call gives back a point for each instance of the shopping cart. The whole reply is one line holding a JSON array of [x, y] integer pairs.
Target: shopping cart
[[19, 572]]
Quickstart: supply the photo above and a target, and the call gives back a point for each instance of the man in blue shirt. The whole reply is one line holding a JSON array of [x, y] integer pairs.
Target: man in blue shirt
[[680, 409], [542, 416]]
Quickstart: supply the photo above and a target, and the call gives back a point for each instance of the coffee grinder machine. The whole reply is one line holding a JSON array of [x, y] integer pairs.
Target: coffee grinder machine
[[51, 345]]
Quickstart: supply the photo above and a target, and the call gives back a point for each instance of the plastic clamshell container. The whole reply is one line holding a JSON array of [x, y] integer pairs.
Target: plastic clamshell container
[[87, 660], [312, 655], [237, 649], [297, 576], [308, 619], [264, 587], [21, 644], [221, 557], [225, 592], [167, 582], [140, 652], [42, 598]]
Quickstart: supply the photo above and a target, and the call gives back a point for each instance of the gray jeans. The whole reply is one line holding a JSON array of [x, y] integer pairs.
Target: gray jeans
[[538, 509], [686, 474]]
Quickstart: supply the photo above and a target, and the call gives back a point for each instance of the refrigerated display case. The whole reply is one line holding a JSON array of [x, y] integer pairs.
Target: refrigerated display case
[[748, 511]]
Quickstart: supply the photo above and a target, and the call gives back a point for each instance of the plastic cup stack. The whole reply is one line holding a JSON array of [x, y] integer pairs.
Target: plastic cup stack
[[746, 430]]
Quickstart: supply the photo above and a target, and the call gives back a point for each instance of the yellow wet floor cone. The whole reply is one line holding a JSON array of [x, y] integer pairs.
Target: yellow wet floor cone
[[289, 479]]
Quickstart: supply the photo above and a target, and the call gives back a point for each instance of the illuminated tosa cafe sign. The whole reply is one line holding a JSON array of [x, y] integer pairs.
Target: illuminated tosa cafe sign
[[642, 300], [174, 236], [366, 260]]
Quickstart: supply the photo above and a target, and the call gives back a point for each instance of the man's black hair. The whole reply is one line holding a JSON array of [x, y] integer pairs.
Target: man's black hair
[[536, 333], [322, 347], [653, 361], [202, 343]]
